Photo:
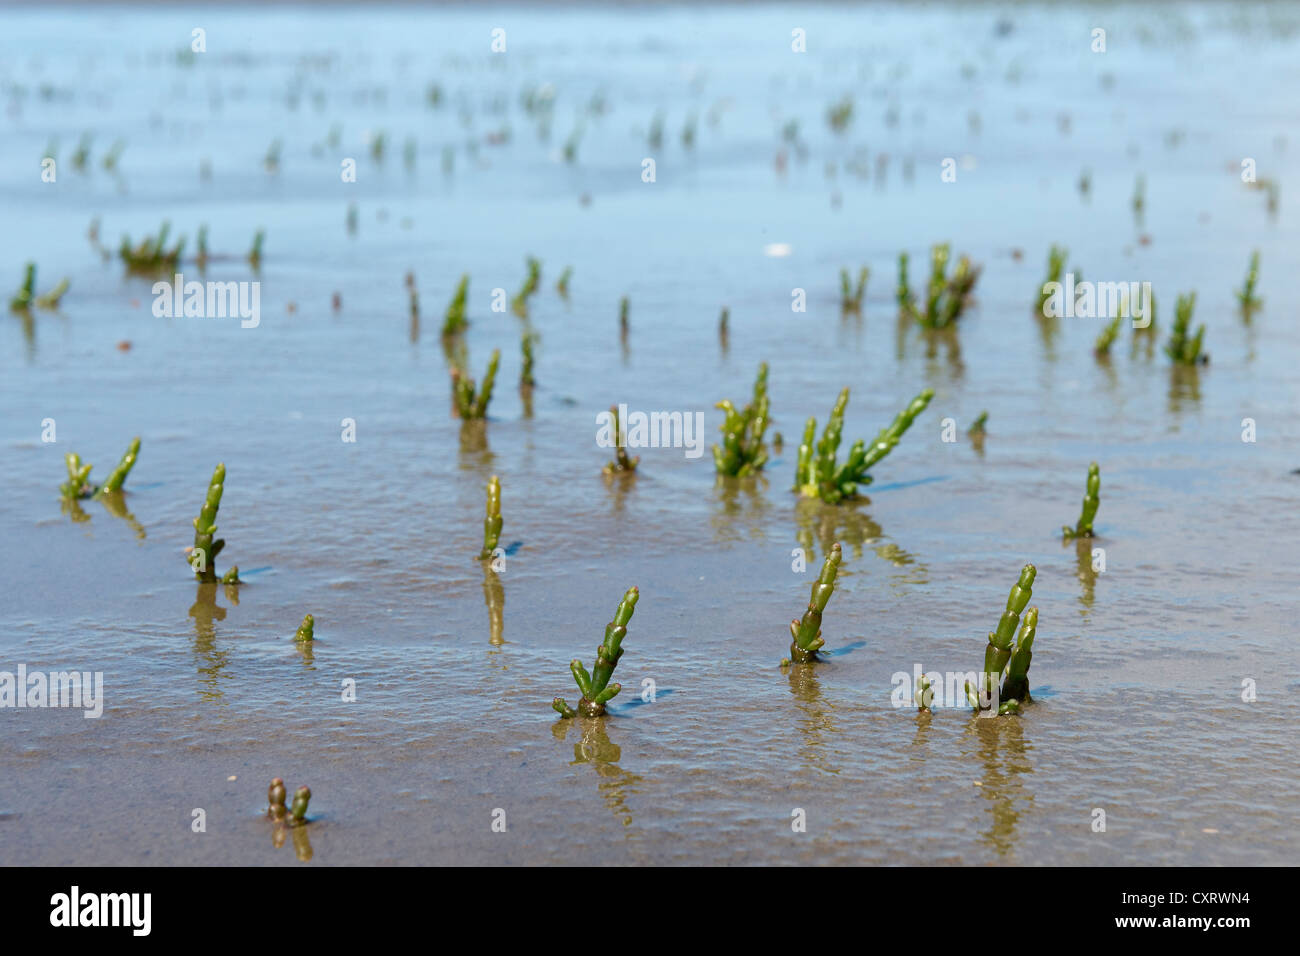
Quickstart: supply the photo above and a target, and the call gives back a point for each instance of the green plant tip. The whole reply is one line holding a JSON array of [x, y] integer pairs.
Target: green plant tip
[[595, 687], [1091, 501], [306, 630], [806, 632]]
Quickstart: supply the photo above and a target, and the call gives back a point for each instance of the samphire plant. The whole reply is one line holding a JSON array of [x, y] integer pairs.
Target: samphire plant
[[946, 296], [850, 296], [306, 632], [472, 402], [1091, 501], [562, 286], [526, 379], [492, 522], [276, 810], [1004, 683], [203, 556], [1182, 347], [818, 475], [79, 485], [978, 427], [519, 304], [1056, 258], [152, 254], [255, 253], [596, 689], [742, 451], [806, 633], [621, 464], [26, 296], [454, 322], [1249, 301]]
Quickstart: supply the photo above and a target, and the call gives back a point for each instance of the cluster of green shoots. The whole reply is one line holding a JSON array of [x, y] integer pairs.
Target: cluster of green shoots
[[472, 401], [1004, 683], [151, 253], [79, 484], [850, 296], [1183, 347], [742, 452], [806, 633], [622, 464], [818, 475], [455, 322], [596, 689], [946, 297], [492, 522], [1091, 501], [296, 815], [26, 296], [203, 555], [1249, 301], [519, 304]]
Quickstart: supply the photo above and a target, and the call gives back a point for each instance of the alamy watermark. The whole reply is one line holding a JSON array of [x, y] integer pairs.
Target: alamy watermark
[[1098, 300], [652, 430], [208, 300], [56, 689]]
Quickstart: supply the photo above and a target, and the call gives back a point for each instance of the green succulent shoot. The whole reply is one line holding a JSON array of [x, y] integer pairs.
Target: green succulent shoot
[[472, 402], [1056, 258], [1107, 337], [596, 689], [562, 286], [807, 631], [1183, 347], [904, 293], [978, 427], [946, 296], [742, 452], [454, 322], [1091, 501], [519, 304], [1249, 301], [26, 296], [275, 800], [255, 253], [306, 632], [526, 379], [203, 555], [622, 464], [924, 694], [492, 522], [851, 297], [623, 326], [1004, 683], [79, 485], [817, 473], [298, 812]]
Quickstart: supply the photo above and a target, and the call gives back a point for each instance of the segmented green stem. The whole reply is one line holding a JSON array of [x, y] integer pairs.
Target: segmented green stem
[[206, 547], [454, 322], [596, 689], [1091, 501], [117, 476], [742, 451], [492, 522], [807, 632]]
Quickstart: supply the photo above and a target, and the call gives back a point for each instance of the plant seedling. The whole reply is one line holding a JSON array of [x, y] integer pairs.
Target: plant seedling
[[1183, 348], [1091, 501], [306, 630], [1056, 258], [203, 555], [492, 522], [454, 322], [622, 316], [519, 304], [807, 632], [724, 323], [621, 464], [1003, 663], [26, 296], [1107, 337], [924, 694], [1249, 301], [742, 452], [818, 475], [526, 379], [79, 485], [472, 402], [255, 253], [562, 286], [946, 296], [904, 293], [850, 297], [152, 254], [275, 796], [596, 689]]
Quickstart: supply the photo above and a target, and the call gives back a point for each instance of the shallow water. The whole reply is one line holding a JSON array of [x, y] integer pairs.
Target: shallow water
[[1137, 673]]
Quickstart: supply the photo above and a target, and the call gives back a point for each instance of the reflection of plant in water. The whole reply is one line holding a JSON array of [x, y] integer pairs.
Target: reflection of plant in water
[[737, 518], [824, 525], [815, 724], [1087, 573], [474, 442], [1002, 752], [594, 747], [114, 503], [494, 595], [212, 661], [1184, 387]]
